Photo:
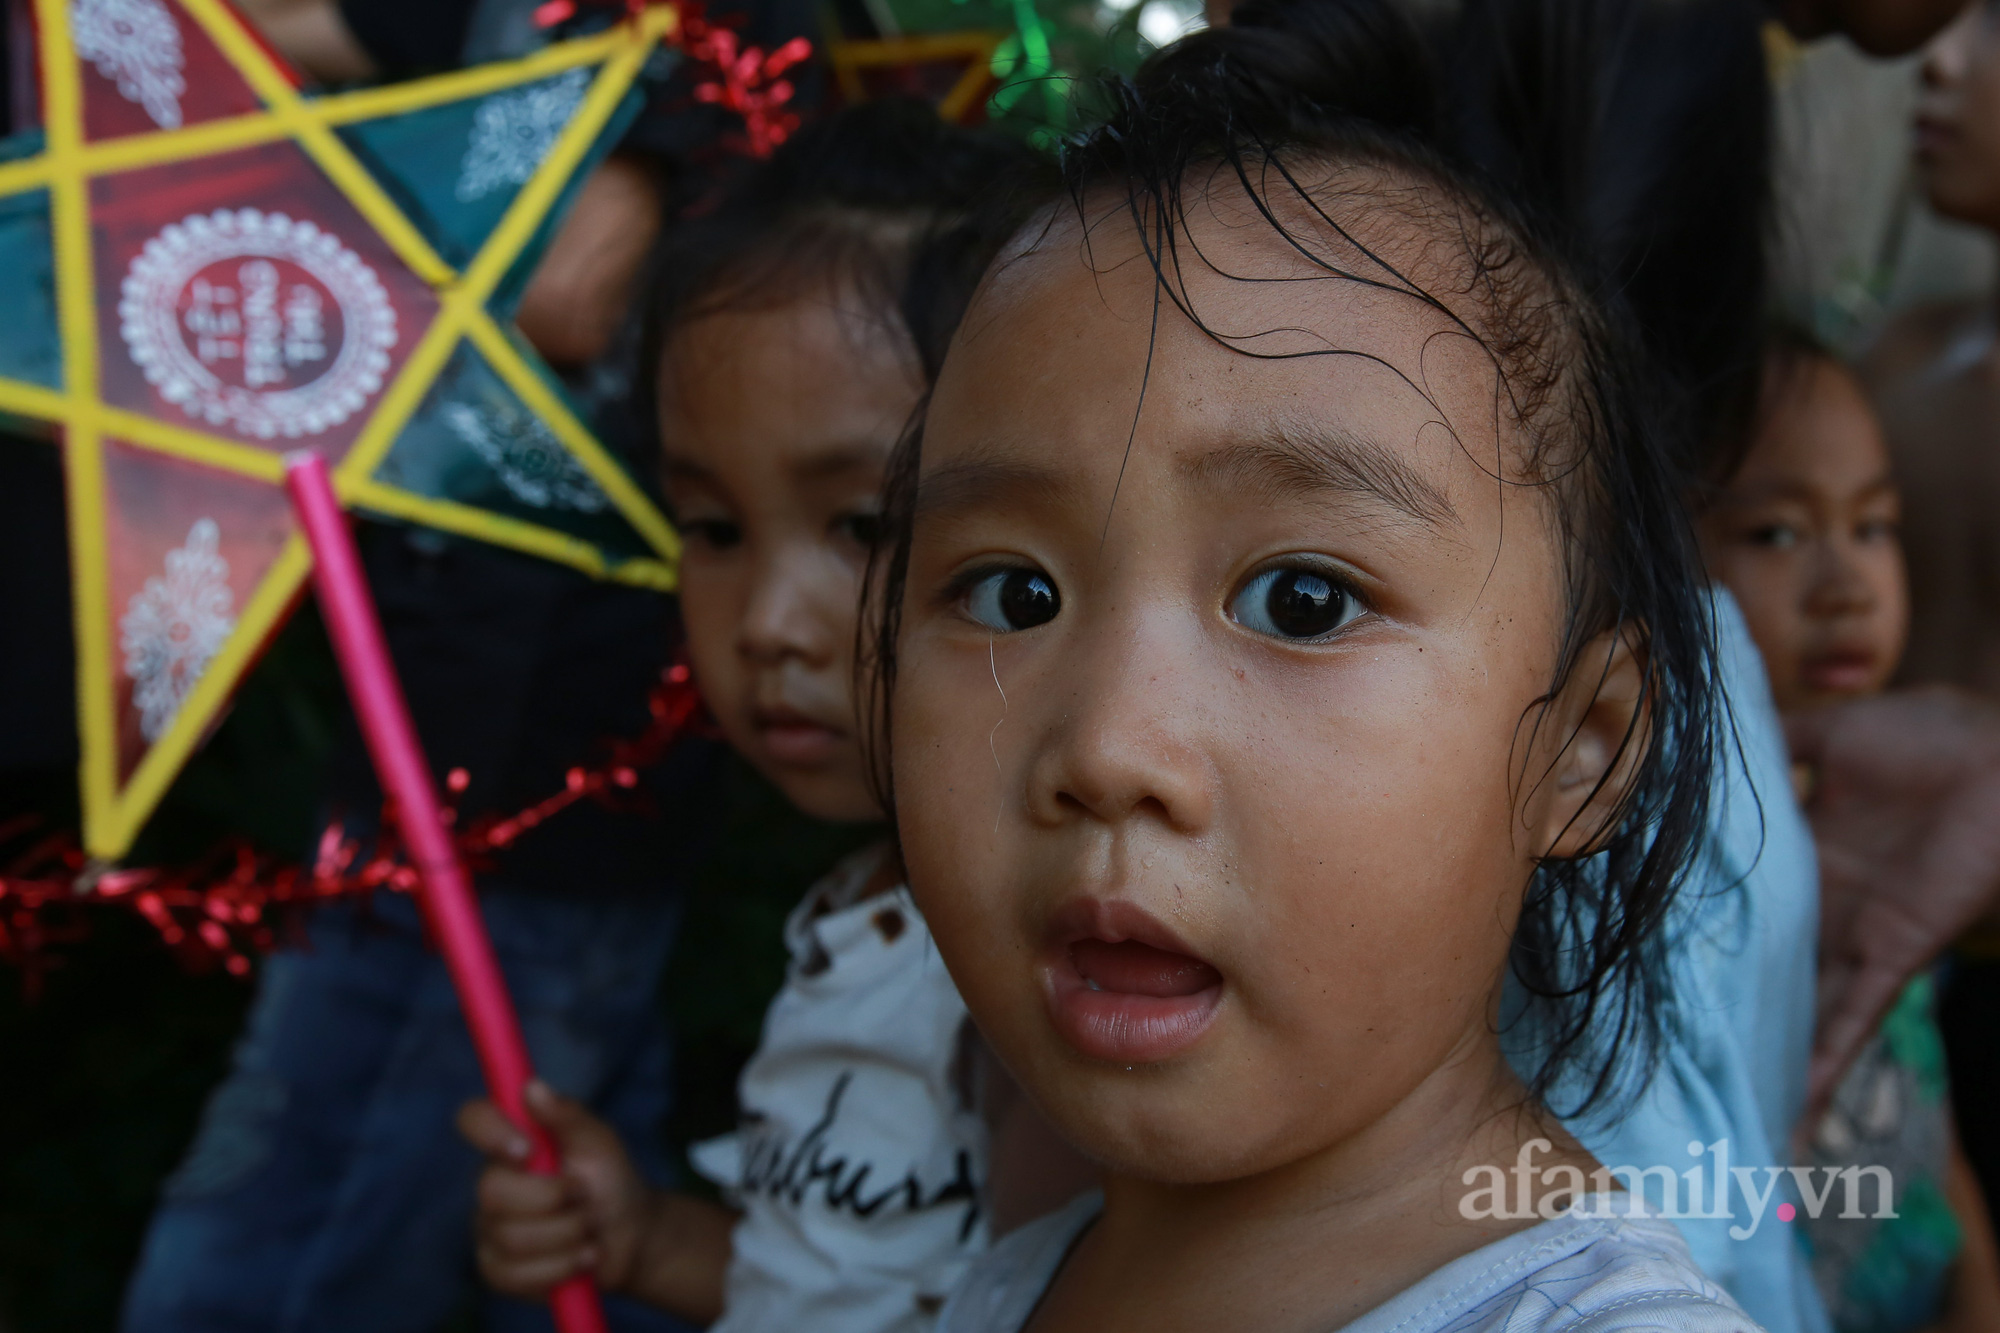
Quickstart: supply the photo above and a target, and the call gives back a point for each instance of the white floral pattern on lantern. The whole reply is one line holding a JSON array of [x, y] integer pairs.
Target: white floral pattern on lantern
[[137, 45], [512, 132], [175, 625], [528, 458], [257, 321]]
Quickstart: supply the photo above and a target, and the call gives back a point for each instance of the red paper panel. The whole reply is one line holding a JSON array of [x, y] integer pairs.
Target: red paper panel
[[250, 299], [187, 545], [147, 65]]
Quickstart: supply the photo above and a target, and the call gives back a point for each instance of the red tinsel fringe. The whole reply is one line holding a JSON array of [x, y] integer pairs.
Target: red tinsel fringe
[[746, 81], [731, 75], [233, 901]]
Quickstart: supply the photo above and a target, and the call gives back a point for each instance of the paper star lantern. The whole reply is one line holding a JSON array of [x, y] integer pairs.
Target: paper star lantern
[[212, 269], [954, 68]]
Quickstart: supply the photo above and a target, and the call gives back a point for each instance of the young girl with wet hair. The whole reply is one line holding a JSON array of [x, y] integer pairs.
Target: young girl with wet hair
[[1805, 533], [1289, 634], [794, 332]]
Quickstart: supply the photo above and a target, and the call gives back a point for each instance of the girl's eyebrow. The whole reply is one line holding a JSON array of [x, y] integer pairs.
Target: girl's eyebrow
[[1285, 460], [976, 482], [1306, 459], [830, 462], [862, 456], [1802, 488]]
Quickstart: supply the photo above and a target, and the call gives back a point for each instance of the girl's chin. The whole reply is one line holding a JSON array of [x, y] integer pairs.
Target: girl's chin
[[834, 791]]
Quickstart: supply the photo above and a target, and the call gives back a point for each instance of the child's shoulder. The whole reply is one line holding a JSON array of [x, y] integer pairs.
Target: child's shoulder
[[1583, 1273], [855, 878], [857, 933], [1003, 1286]]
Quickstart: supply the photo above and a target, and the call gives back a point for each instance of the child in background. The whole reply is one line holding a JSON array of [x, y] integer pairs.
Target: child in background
[[1805, 534], [1288, 631], [795, 334], [1934, 376]]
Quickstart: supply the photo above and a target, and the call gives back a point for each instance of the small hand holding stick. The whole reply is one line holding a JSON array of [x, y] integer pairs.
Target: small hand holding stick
[[444, 889]]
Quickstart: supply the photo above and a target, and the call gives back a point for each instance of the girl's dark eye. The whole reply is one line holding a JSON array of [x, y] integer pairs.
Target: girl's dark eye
[[1776, 536], [1876, 530], [716, 533], [1006, 600], [866, 529], [1293, 603]]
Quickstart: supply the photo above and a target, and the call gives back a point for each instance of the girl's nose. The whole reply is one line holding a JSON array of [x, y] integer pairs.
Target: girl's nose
[[1840, 587], [1125, 746], [791, 613], [1944, 58], [1933, 73], [1111, 773]]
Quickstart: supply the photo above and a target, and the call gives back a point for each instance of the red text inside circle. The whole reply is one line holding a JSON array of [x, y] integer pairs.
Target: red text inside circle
[[260, 323]]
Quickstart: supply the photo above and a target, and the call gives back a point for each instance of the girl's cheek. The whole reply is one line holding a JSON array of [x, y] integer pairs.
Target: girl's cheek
[[947, 787], [1397, 866], [1770, 589], [1890, 624], [709, 617], [933, 797]]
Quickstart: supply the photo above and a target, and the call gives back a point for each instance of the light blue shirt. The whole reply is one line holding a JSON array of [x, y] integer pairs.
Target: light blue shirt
[[1597, 1268], [1746, 932]]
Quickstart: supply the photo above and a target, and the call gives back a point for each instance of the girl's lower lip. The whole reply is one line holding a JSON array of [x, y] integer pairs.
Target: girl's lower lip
[[1161, 1004], [799, 742], [1840, 675]]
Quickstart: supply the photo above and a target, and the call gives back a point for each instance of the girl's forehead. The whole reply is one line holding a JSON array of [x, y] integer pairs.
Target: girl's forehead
[[808, 389], [822, 329], [1819, 436], [1274, 279], [1086, 343]]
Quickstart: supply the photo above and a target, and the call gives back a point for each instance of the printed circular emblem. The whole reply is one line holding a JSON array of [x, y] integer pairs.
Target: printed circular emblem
[[257, 321]]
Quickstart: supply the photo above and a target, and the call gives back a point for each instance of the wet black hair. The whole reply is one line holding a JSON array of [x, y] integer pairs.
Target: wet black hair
[[1349, 94], [1789, 352], [883, 199], [1642, 130]]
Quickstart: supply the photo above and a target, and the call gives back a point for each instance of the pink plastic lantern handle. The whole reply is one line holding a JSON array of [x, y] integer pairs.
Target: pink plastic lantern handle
[[444, 890]]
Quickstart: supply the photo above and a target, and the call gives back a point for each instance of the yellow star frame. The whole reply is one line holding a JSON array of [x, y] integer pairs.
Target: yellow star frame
[[851, 56], [114, 812]]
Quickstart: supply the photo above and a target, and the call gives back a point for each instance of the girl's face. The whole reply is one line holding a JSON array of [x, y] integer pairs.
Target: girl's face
[[1958, 118], [1216, 762], [775, 425], [1805, 537]]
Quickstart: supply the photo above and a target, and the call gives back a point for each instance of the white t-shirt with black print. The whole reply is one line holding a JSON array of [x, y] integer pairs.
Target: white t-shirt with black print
[[860, 1163]]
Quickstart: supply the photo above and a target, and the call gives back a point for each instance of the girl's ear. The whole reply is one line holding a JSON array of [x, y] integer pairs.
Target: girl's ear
[[1604, 707]]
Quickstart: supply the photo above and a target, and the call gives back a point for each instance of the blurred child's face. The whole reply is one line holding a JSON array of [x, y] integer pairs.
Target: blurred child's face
[[1958, 118], [1213, 793], [1805, 537], [775, 425], [1879, 27]]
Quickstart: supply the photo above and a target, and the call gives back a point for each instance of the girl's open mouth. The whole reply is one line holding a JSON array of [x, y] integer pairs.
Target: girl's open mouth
[[793, 738], [1129, 1002], [1843, 671]]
